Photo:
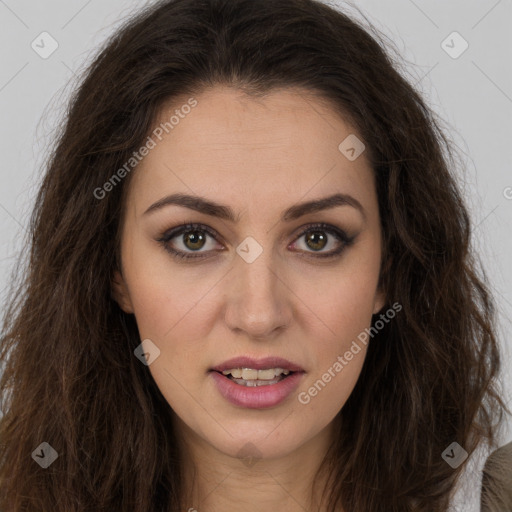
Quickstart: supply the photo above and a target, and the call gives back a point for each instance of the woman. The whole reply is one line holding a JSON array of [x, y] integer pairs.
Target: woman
[[250, 280]]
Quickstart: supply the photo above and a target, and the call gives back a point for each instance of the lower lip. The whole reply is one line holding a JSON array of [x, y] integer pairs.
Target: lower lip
[[258, 397]]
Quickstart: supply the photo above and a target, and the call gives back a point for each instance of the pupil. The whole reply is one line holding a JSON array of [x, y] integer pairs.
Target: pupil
[[194, 238], [318, 234]]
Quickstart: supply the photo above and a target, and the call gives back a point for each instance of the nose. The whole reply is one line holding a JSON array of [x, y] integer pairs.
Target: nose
[[258, 298]]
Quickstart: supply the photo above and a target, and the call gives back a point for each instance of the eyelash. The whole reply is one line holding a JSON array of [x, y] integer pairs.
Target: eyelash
[[179, 230]]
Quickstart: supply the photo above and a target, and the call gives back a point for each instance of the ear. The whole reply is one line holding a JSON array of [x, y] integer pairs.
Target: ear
[[120, 293], [379, 301]]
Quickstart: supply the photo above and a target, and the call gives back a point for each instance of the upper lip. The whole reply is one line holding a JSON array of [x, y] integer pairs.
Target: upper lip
[[257, 364]]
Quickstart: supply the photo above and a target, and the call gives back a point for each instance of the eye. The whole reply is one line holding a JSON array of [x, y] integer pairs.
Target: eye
[[193, 238], [319, 236], [190, 237]]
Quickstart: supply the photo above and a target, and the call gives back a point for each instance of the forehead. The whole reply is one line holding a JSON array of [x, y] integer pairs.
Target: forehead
[[231, 145]]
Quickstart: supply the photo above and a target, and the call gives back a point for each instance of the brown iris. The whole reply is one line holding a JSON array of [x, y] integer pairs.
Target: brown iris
[[317, 238], [195, 238]]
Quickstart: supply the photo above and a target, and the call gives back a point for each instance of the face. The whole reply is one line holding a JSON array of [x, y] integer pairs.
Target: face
[[266, 270]]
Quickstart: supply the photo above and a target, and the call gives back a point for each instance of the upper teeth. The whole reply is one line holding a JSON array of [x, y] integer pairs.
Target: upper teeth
[[251, 374]]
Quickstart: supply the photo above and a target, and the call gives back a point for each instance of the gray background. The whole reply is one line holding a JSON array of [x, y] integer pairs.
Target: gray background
[[472, 93]]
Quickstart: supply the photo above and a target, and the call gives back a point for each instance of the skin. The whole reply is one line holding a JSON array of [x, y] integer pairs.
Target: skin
[[259, 157]]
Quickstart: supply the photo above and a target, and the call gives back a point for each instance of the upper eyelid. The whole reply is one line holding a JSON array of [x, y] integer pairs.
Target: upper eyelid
[[178, 230]]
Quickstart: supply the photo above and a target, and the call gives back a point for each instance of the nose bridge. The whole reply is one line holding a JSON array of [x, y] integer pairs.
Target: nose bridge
[[257, 301]]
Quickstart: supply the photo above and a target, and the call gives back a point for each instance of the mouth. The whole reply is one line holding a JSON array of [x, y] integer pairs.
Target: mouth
[[256, 383], [251, 377], [248, 371]]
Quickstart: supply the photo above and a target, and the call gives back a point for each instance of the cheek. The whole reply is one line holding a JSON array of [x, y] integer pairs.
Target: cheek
[[178, 322], [168, 301], [340, 301], [325, 392], [343, 305], [339, 347]]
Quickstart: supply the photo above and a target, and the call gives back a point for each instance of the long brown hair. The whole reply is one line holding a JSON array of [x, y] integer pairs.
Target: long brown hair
[[71, 379]]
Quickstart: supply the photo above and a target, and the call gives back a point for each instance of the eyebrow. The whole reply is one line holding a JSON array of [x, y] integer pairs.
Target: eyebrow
[[296, 211]]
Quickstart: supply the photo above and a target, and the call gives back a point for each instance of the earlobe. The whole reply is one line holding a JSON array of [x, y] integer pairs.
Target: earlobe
[[120, 293], [380, 301]]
